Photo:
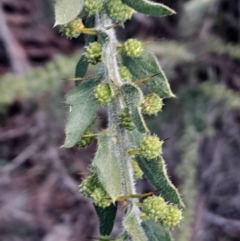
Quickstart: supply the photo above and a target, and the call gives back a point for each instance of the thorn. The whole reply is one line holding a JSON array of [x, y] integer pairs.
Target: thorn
[[74, 79], [140, 81], [151, 40], [166, 139], [112, 26]]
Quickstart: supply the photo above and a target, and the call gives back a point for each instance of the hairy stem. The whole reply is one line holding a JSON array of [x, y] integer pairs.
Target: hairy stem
[[112, 73]]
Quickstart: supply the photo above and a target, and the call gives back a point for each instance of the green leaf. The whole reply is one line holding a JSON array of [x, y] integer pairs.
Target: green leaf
[[106, 218], [82, 111], [81, 67], [155, 232], [132, 224], [89, 22], [149, 8], [147, 65], [156, 173], [132, 96], [67, 10], [107, 167], [135, 137]]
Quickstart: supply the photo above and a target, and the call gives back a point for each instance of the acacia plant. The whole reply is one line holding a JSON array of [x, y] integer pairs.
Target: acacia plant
[[126, 149]]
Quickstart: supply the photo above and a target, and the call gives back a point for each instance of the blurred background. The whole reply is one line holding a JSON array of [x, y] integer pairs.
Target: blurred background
[[199, 49]]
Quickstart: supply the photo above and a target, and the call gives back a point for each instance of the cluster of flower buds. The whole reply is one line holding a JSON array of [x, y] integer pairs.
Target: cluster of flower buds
[[87, 139], [154, 207], [150, 147], [92, 188], [118, 11]]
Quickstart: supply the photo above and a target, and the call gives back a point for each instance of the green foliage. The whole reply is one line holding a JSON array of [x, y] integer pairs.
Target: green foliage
[[133, 98], [81, 67], [114, 171], [82, 111], [106, 218], [131, 224], [149, 8], [155, 232], [155, 171], [67, 10], [147, 65], [105, 160]]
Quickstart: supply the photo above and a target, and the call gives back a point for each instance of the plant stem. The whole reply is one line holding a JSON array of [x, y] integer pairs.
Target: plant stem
[[114, 110]]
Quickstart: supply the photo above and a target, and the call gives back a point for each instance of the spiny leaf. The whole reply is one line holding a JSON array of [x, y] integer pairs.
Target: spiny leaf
[[147, 65], [81, 68], [89, 23], [132, 224], [67, 10], [133, 98], [149, 8], [106, 218], [82, 111], [155, 232], [135, 137], [156, 173], [107, 166]]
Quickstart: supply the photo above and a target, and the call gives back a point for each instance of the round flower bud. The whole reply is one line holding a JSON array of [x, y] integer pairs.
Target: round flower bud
[[100, 197], [155, 207], [132, 48], [126, 120], [150, 147], [93, 53], [85, 141], [72, 29], [118, 11], [125, 73], [102, 93], [152, 104], [88, 185], [93, 6], [137, 172], [173, 216]]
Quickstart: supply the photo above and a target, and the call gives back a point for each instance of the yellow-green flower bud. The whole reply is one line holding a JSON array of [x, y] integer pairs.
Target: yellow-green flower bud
[[152, 104], [100, 197], [86, 141], [72, 29], [172, 217], [125, 73], [150, 147], [155, 207], [102, 93], [93, 53], [93, 6], [137, 172], [126, 120], [118, 11], [132, 48]]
